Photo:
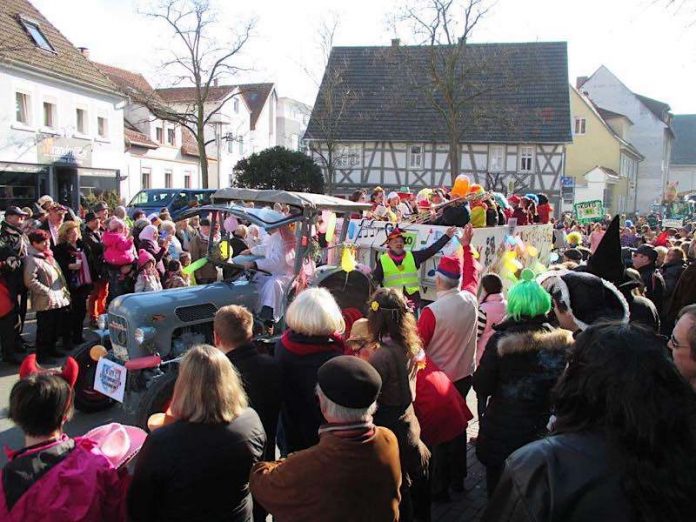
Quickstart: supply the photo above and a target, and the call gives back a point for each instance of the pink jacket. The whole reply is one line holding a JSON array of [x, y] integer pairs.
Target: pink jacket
[[118, 249], [82, 486], [494, 308]]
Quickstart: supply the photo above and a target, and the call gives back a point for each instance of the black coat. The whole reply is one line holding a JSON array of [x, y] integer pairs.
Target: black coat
[[300, 357], [66, 254], [671, 272], [521, 364], [197, 472], [94, 249], [262, 381], [568, 477], [654, 286]]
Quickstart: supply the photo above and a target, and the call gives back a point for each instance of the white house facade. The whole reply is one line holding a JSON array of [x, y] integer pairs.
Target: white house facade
[[389, 133], [61, 119], [292, 120], [651, 132]]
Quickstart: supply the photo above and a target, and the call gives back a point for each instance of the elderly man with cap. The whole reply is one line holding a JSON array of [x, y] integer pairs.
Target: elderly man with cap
[[398, 267], [354, 471], [92, 239], [644, 259], [101, 210], [448, 328], [41, 207], [13, 249]]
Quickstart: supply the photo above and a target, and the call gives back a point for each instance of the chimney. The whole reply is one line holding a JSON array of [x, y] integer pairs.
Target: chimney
[[84, 51], [580, 81], [215, 82], [395, 42]]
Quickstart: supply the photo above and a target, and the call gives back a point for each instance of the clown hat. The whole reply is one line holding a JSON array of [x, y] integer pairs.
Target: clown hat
[[396, 232], [514, 199], [118, 443], [450, 267]]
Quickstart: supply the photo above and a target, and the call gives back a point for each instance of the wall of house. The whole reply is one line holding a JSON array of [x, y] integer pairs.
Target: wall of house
[[264, 134], [685, 176], [647, 133], [597, 147], [157, 162], [390, 165], [291, 123]]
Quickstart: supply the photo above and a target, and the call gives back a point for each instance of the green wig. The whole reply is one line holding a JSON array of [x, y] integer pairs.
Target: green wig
[[527, 298]]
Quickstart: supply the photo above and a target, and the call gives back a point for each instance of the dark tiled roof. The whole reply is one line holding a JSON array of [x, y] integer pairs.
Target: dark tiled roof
[[67, 63], [525, 98], [658, 108], [255, 96], [138, 139], [684, 146], [128, 81]]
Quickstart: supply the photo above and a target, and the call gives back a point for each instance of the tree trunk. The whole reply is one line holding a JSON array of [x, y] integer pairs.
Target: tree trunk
[[454, 157], [330, 172], [202, 153]]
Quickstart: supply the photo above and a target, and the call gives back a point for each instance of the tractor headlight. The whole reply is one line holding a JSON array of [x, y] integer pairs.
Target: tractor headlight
[[101, 322], [144, 334]]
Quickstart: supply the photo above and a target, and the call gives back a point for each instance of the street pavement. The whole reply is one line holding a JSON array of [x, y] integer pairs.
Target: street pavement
[[464, 507]]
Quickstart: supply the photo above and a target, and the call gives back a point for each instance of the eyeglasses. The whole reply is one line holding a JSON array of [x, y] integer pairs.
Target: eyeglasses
[[673, 341]]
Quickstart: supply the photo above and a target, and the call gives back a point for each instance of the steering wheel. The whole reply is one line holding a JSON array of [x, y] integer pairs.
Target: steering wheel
[[245, 269]]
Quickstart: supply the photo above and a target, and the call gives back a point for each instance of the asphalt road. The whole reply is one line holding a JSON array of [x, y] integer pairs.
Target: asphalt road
[[81, 423]]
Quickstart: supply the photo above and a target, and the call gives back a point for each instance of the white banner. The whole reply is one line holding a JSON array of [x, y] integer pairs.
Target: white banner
[[110, 379]]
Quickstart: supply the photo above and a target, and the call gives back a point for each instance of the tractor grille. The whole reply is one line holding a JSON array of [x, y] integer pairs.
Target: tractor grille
[[118, 330], [194, 313]]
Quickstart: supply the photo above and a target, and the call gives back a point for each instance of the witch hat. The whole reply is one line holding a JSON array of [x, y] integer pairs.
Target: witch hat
[[607, 261]]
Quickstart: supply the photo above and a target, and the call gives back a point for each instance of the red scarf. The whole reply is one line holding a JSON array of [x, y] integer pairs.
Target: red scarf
[[329, 343], [395, 257]]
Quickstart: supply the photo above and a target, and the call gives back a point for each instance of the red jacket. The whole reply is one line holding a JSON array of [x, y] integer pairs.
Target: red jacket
[[544, 212]]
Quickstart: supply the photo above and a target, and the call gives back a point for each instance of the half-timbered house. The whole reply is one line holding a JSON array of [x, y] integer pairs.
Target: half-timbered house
[[383, 128]]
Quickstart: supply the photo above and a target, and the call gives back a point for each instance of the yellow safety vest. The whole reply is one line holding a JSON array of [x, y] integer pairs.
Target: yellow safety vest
[[403, 276]]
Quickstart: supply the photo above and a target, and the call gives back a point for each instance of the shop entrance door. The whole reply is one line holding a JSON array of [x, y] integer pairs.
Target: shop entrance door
[[66, 187]]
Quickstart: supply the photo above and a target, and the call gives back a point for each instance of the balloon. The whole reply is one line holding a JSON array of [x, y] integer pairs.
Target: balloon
[[510, 240], [509, 255], [230, 224], [331, 227], [324, 221], [532, 250], [348, 260], [195, 266], [224, 249], [538, 268]]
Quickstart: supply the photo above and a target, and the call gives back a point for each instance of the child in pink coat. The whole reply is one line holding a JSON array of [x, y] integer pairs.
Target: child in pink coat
[[118, 247], [492, 304]]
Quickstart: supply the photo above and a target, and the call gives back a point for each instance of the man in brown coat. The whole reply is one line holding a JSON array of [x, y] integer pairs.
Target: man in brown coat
[[354, 471], [198, 248]]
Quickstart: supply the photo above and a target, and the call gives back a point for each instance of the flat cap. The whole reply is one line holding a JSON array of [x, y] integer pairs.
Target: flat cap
[[349, 381]]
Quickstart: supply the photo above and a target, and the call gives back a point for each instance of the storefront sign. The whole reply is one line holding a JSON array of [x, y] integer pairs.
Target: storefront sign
[[67, 151], [110, 379], [588, 211], [567, 189]]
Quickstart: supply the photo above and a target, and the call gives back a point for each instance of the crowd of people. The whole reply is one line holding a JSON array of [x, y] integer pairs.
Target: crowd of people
[[585, 378]]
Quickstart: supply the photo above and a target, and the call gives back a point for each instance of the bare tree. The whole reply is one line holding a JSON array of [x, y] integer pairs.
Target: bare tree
[[449, 78], [200, 61], [331, 106]]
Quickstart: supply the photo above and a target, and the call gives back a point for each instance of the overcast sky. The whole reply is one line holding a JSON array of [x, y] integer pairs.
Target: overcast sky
[[651, 49]]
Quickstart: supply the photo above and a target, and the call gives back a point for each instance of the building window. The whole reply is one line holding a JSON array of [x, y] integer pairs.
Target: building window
[[415, 157], [167, 179], [159, 134], [526, 159], [187, 180], [608, 199], [37, 35], [170, 136], [580, 125], [294, 142], [230, 146], [145, 179], [241, 145], [49, 115], [23, 113], [347, 156], [496, 158], [81, 121], [235, 104], [102, 127]]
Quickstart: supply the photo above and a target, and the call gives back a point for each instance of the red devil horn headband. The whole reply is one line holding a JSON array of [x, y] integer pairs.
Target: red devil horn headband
[[68, 372]]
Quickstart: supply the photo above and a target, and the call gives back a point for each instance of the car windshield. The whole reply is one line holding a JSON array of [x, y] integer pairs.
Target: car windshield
[[152, 198]]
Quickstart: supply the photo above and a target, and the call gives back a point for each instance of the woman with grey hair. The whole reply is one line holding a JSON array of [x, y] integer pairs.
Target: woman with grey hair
[[168, 231]]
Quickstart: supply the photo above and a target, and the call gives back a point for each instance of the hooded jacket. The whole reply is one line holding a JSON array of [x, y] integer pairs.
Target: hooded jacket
[[494, 307], [521, 364], [118, 249]]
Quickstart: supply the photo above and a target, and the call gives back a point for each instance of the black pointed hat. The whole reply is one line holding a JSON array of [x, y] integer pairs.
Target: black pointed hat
[[607, 261]]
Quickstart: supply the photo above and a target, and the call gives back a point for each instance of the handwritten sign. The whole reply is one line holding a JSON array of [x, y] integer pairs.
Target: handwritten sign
[[672, 223], [588, 211], [110, 379]]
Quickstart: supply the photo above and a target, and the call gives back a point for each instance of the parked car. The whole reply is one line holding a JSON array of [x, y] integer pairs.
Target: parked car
[[149, 332], [177, 201]]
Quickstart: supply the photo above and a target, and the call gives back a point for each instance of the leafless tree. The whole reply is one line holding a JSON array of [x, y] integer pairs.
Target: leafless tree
[[331, 106], [198, 60], [449, 78]]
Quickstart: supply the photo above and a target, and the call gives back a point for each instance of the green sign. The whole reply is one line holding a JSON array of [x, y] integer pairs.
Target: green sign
[[589, 211]]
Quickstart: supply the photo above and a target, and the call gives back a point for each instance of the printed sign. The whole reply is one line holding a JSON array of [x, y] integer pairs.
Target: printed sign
[[110, 379], [588, 211], [672, 223]]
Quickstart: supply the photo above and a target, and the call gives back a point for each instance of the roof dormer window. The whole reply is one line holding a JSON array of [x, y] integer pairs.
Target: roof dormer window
[[34, 31]]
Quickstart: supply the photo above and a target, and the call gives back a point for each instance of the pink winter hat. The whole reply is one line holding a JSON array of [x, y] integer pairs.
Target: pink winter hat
[[144, 257]]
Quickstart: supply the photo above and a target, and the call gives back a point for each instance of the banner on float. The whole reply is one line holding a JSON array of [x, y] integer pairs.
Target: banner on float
[[672, 223], [110, 379], [588, 211]]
